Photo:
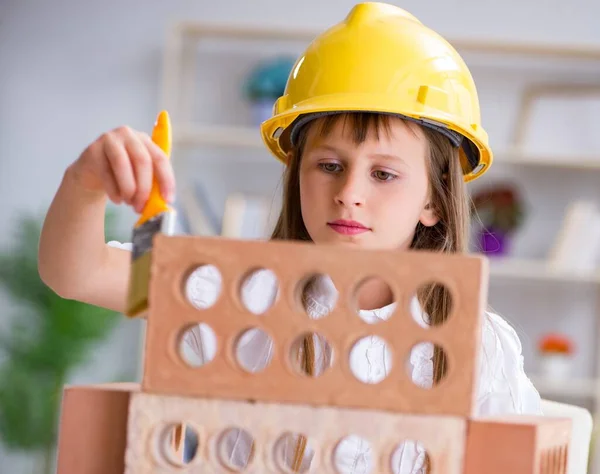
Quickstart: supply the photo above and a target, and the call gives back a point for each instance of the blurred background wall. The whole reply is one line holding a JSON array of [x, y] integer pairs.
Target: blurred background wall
[[72, 70]]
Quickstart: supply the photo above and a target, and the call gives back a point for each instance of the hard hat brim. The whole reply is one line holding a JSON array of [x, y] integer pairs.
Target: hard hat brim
[[280, 132]]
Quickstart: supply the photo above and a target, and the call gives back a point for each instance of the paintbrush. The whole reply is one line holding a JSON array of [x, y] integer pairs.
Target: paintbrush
[[156, 217]]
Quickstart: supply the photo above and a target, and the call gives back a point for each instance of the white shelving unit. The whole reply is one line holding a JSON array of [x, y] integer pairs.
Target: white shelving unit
[[224, 136], [537, 270], [576, 387], [189, 135], [559, 162]]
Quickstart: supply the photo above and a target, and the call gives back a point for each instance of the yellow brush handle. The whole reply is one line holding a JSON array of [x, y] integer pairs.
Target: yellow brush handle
[[161, 135]]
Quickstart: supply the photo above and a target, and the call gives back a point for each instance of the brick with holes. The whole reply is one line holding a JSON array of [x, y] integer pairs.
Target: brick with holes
[[117, 428], [518, 445], [231, 435], [93, 428], [285, 323]]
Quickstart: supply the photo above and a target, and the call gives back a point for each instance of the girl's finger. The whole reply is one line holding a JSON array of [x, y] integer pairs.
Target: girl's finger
[[110, 183], [141, 162], [120, 166], [163, 171]]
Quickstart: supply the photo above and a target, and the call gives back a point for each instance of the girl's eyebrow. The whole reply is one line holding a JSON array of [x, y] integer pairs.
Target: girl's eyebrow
[[385, 156]]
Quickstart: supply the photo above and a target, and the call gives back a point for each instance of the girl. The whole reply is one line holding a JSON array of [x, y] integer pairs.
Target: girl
[[379, 128]]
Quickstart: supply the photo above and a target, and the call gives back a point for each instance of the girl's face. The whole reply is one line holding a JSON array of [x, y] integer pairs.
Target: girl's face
[[371, 194]]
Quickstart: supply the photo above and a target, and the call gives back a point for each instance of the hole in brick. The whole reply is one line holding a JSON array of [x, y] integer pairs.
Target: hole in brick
[[432, 304], [371, 295], [198, 345], [317, 295], [371, 359], [235, 449], [353, 454], [410, 453], [178, 444], [311, 354], [203, 286], [293, 453], [427, 358], [254, 350], [258, 290]]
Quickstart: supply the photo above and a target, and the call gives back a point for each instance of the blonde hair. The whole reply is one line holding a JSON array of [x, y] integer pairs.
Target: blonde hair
[[448, 198]]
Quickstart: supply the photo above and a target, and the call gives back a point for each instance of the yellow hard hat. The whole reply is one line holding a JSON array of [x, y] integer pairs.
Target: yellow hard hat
[[382, 59]]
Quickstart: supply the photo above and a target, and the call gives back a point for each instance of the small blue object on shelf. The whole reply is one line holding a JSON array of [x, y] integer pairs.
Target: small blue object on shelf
[[265, 84]]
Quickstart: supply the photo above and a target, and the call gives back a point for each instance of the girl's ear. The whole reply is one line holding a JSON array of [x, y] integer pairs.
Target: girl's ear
[[429, 216]]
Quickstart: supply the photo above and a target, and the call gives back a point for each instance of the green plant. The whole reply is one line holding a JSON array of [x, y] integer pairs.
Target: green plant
[[49, 337], [499, 208]]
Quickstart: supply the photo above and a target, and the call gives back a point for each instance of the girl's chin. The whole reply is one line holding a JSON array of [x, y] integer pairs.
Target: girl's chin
[[360, 240]]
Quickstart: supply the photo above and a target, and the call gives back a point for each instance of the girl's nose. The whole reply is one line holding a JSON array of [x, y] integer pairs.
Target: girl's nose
[[351, 191]]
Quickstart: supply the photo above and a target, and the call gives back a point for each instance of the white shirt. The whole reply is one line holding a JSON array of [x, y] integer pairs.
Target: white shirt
[[502, 387]]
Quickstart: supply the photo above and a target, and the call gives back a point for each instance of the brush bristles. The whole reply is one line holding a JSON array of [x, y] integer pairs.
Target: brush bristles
[[139, 280]]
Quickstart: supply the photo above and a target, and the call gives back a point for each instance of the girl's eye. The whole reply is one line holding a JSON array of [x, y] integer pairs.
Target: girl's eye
[[330, 167], [384, 175]]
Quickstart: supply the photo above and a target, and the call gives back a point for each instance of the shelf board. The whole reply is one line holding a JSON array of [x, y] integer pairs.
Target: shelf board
[[537, 270], [570, 387], [189, 135], [560, 161], [225, 136], [244, 31]]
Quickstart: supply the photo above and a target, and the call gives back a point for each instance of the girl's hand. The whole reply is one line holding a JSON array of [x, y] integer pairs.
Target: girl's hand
[[121, 163]]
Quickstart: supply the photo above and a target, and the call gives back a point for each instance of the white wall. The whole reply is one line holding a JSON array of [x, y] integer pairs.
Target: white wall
[[70, 70]]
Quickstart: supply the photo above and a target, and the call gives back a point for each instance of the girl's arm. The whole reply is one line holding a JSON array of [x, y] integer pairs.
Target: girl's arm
[[73, 258]]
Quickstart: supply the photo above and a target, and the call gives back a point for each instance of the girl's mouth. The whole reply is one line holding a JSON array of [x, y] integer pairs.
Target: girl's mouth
[[347, 227]]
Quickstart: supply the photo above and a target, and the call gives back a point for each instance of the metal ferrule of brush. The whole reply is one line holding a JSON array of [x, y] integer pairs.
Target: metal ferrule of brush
[[169, 222]]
